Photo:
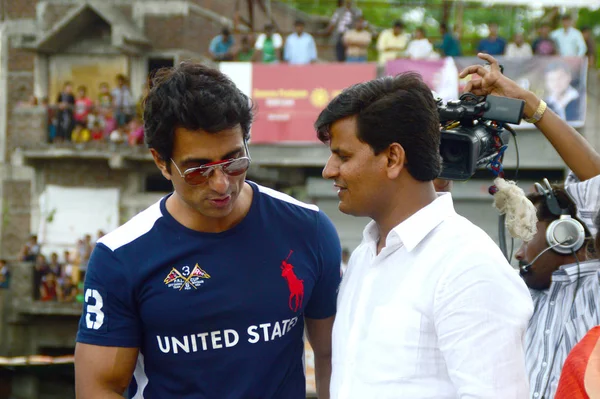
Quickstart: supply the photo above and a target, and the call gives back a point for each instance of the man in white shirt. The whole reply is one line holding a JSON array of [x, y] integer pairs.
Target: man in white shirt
[[518, 48], [300, 47], [420, 48], [429, 307], [569, 40]]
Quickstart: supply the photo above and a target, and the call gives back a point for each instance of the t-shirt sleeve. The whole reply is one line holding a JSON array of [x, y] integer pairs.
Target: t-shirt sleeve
[[322, 302], [109, 317]]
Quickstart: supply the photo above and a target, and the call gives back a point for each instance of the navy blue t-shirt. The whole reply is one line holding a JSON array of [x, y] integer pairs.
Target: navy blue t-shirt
[[215, 315]]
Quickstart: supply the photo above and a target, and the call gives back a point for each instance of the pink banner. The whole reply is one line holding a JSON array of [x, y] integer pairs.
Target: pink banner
[[290, 98]]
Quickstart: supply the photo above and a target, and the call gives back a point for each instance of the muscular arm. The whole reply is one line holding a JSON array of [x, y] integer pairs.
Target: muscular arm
[[103, 372], [572, 147], [319, 336]]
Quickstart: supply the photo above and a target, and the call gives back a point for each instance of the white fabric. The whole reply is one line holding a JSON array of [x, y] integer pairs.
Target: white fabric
[[260, 41], [420, 49], [438, 313], [514, 51]]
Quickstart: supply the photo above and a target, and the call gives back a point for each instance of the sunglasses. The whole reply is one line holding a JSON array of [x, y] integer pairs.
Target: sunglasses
[[201, 174]]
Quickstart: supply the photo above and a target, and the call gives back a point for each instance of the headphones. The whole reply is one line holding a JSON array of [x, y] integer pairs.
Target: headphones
[[564, 235]]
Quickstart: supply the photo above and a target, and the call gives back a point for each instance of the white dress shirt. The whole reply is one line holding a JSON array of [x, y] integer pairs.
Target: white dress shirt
[[438, 313]]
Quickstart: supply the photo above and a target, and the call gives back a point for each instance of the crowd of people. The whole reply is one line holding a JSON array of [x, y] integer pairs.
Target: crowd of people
[[352, 36], [55, 279], [114, 116]]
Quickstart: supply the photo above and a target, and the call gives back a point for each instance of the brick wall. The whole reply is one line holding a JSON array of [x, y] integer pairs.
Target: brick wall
[[20, 60], [17, 9], [16, 216], [20, 87], [165, 32], [27, 127]]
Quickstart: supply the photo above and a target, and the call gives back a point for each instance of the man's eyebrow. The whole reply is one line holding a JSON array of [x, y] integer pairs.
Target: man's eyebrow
[[202, 161]]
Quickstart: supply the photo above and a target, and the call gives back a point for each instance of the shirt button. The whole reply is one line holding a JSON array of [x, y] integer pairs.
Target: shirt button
[[544, 364], [547, 332], [551, 303], [536, 394]]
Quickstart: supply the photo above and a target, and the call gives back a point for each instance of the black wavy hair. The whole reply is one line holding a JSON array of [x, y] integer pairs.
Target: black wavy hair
[[192, 96], [392, 109]]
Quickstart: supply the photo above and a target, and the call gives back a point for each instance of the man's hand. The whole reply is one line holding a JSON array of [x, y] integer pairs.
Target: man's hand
[[495, 83]]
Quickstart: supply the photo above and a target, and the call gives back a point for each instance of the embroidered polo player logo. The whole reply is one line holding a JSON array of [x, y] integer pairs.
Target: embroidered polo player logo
[[295, 285]]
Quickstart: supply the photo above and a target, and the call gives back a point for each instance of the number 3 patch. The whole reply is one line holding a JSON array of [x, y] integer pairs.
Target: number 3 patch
[[94, 315]]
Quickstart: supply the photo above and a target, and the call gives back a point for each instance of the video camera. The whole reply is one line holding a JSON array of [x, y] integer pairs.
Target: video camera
[[473, 132]]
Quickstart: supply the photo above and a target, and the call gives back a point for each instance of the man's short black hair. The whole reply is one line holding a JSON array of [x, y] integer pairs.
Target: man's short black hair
[[565, 17], [299, 22], [192, 96], [398, 24], [392, 109], [225, 32]]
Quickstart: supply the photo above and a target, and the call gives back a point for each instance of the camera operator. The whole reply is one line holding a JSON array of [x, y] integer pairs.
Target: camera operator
[[564, 286], [429, 306]]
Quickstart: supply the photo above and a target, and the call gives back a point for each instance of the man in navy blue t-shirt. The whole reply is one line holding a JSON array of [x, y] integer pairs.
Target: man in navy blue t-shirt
[[206, 293]]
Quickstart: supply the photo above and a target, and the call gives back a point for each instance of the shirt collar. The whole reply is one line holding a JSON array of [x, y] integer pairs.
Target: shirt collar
[[572, 270], [414, 229]]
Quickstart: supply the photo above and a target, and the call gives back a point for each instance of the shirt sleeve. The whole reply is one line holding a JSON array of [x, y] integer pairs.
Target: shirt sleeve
[[481, 313], [277, 40], [213, 45], [581, 45], [382, 41], [313, 49], [260, 42], [322, 303], [109, 312]]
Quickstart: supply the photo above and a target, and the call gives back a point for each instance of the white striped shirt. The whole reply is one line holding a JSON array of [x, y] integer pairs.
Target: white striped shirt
[[586, 195], [555, 315]]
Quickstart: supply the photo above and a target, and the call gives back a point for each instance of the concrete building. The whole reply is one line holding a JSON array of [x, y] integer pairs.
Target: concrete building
[[44, 43]]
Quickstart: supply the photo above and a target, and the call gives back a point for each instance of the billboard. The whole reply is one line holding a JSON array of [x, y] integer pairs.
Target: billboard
[[559, 81], [289, 98]]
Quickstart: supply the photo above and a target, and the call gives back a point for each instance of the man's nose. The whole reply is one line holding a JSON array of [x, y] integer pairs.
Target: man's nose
[[330, 170], [219, 181]]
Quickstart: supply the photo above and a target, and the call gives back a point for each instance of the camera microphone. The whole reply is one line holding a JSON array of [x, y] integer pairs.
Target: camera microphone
[[525, 268]]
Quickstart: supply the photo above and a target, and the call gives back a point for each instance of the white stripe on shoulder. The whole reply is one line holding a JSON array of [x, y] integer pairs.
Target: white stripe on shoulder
[[284, 197], [136, 227]]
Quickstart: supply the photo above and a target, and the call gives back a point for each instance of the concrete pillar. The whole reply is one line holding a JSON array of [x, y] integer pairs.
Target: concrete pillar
[[41, 76], [138, 71]]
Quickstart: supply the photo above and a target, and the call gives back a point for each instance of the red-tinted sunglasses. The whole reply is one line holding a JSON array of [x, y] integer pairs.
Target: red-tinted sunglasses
[[201, 174]]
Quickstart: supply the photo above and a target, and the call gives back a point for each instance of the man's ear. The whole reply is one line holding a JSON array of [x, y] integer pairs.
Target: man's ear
[[396, 160], [161, 164]]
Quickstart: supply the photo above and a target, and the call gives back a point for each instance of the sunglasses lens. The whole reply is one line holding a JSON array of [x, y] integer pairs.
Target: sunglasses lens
[[196, 177], [237, 167]]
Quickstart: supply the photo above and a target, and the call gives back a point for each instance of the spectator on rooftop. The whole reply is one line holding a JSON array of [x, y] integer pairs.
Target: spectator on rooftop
[[570, 41], [221, 46], [518, 48], [30, 250], [493, 44], [420, 48], [450, 46], [269, 45], [83, 105], [66, 105], [246, 50], [543, 44], [392, 43], [341, 21], [300, 47], [357, 41]]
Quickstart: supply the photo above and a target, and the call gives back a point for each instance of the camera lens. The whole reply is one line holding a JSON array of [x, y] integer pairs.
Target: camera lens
[[453, 152]]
